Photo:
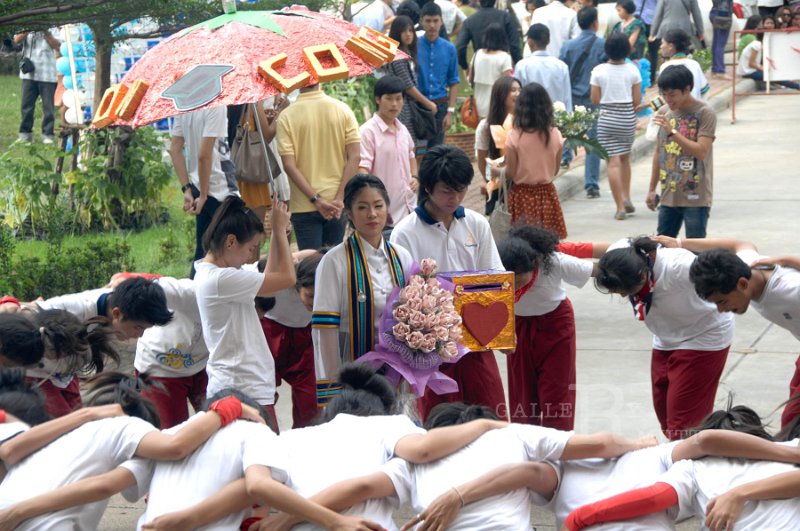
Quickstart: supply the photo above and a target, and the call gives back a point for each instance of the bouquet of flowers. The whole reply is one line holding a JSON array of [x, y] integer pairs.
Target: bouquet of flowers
[[575, 126], [420, 329]]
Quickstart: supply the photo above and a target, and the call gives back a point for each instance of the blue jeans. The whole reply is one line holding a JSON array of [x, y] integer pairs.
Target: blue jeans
[[313, 231], [694, 218], [441, 112], [591, 170], [718, 50], [758, 75]]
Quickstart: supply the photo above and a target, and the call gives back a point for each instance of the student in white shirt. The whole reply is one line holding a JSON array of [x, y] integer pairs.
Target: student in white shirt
[[541, 370], [239, 355], [286, 322], [458, 239], [676, 45], [690, 338], [355, 279], [560, 20], [360, 433], [105, 448], [733, 276], [571, 484]]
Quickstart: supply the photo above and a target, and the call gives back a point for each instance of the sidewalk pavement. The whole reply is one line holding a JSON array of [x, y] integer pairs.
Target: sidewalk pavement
[[755, 198]]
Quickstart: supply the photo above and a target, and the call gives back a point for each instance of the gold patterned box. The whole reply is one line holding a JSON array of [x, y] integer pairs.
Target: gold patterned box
[[485, 302]]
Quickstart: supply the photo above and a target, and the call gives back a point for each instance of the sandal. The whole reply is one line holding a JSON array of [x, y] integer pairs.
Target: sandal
[[621, 215], [629, 208]]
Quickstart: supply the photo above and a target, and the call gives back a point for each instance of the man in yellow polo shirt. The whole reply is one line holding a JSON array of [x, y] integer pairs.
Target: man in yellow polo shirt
[[319, 145]]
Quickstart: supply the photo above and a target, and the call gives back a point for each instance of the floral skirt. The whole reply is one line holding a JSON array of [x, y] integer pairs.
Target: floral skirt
[[537, 205]]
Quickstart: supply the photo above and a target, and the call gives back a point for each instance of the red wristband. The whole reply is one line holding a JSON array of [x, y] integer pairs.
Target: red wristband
[[8, 298], [228, 409], [247, 522], [2, 416], [576, 249]]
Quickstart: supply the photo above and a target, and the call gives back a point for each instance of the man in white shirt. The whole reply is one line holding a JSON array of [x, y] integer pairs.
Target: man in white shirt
[[560, 20], [204, 169], [541, 67]]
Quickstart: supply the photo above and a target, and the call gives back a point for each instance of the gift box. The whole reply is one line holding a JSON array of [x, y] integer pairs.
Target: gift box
[[485, 302]]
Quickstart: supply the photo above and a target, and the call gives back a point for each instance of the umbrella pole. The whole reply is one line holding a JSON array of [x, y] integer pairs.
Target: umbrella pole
[[273, 187]]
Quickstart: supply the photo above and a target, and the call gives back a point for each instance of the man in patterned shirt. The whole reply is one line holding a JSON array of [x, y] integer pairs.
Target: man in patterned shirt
[[40, 47]]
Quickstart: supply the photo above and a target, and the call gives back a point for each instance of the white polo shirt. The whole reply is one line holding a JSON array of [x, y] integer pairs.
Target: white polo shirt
[[467, 246], [780, 300]]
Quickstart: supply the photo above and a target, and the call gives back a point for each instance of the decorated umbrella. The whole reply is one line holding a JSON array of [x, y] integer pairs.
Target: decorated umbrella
[[241, 57]]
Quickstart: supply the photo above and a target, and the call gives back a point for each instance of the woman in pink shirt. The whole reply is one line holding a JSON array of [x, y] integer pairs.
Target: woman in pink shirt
[[533, 154]]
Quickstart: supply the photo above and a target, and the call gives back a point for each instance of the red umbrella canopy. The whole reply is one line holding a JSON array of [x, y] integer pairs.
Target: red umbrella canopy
[[217, 63]]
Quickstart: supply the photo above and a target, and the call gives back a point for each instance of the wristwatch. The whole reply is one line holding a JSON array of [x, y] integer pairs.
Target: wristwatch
[[187, 186], [451, 109], [673, 132], [314, 198]]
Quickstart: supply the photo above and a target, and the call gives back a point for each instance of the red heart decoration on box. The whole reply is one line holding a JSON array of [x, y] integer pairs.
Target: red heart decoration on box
[[485, 322]]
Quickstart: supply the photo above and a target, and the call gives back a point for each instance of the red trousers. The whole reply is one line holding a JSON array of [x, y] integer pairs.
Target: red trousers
[[684, 385], [541, 371], [293, 352], [479, 382], [792, 409], [57, 401], [172, 402]]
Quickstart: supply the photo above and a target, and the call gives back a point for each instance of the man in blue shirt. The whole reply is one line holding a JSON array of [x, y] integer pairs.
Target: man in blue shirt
[[438, 70], [582, 54], [541, 67]]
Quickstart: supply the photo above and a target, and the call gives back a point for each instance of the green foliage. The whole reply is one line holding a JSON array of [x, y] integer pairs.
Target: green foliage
[[356, 93], [704, 58], [64, 269], [574, 127], [458, 126]]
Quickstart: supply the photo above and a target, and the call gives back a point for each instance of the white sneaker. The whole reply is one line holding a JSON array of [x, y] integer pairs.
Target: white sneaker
[[46, 139], [25, 137]]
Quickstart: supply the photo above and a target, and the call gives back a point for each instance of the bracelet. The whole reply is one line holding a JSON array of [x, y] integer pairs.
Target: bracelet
[[6, 299], [460, 497], [680, 243], [451, 109], [314, 198], [228, 409]]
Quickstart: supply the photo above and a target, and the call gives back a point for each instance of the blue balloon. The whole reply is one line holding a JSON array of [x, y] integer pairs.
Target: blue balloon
[[67, 80], [62, 65]]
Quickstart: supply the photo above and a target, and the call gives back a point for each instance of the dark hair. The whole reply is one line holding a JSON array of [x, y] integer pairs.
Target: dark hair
[[717, 271], [388, 85], [516, 255], [540, 34], [232, 217], [679, 39], [265, 304], [676, 77], [533, 112], [752, 22], [455, 413], [768, 17], [497, 107], [628, 5], [430, 9], [83, 346], [139, 299], [410, 10], [20, 340], [586, 17], [306, 269], [488, 3], [399, 25], [543, 242], [365, 393], [733, 418], [117, 388], [617, 46], [445, 164], [356, 184], [21, 399], [621, 270], [495, 38], [243, 398]]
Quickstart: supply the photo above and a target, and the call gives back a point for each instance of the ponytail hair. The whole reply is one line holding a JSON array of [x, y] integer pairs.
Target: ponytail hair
[[734, 418], [83, 346], [118, 388], [365, 393], [21, 341], [543, 242], [20, 398], [455, 413], [621, 270], [232, 217]]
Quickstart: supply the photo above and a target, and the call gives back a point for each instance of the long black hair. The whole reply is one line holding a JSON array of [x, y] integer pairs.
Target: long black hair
[[622, 270], [232, 217], [734, 418], [543, 242], [533, 112], [21, 342], [365, 393], [497, 107], [399, 25], [118, 388], [455, 413], [21, 399], [83, 346]]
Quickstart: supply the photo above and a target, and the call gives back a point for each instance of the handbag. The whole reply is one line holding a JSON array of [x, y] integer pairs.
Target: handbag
[[469, 109], [26, 66], [247, 153], [721, 20], [500, 218], [423, 120]]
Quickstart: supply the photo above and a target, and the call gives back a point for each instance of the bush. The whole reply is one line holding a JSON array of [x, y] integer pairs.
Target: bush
[[356, 93]]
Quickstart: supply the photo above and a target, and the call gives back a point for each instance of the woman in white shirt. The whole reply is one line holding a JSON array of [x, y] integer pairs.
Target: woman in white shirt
[[616, 88], [489, 64], [354, 279], [690, 338], [239, 356]]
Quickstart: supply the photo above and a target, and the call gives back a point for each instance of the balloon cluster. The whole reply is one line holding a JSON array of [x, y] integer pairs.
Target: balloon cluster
[[83, 54]]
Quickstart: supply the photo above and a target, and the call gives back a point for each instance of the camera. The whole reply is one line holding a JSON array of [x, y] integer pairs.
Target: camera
[[26, 66]]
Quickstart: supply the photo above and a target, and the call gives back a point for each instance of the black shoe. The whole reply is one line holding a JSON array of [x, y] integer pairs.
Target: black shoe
[[592, 193]]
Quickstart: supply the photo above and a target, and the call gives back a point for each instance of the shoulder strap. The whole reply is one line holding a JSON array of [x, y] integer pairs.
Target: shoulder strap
[[573, 76]]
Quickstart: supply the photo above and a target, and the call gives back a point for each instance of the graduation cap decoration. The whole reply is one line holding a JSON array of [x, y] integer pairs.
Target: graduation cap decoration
[[197, 87]]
